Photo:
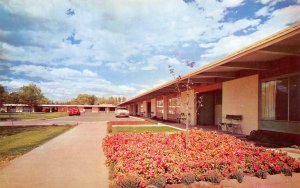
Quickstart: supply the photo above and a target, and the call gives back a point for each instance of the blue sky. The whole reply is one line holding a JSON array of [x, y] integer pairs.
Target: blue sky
[[118, 47]]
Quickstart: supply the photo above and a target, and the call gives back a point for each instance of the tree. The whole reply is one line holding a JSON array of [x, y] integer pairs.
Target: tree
[[101, 100], [186, 115], [44, 100], [111, 100], [84, 99], [13, 98], [3, 95], [30, 95]]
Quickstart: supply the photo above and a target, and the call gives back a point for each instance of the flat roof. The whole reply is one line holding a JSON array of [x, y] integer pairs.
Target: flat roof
[[64, 105], [15, 105], [79, 105], [254, 57]]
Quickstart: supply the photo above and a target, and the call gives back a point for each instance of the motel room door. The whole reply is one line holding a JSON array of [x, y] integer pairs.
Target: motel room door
[[149, 109], [136, 109], [205, 108]]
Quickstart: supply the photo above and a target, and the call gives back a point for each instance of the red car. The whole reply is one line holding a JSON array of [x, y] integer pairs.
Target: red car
[[74, 111]]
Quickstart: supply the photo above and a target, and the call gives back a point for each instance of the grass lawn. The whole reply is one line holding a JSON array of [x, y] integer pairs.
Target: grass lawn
[[16, 141], [156, 129], [33, 115]]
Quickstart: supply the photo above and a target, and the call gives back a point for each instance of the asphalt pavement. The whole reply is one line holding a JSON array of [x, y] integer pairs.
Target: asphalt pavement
[[84, 117]]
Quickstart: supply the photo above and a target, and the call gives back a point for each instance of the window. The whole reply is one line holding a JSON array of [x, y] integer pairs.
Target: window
[[281, 107], [26, 109], [141, 108], [160, 106], [294, 98], [173, 106], [281, 99]]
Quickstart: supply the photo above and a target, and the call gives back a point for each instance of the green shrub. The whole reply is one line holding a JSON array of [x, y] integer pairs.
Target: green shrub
[[128, 182], [238, 175], [188, 178], [261, 174], [258, 135], [255, 135], [213, 177], [287, 172], [159, 182]]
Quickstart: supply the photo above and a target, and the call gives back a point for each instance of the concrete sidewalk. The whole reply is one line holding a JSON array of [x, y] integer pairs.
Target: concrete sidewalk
[[74, 159]]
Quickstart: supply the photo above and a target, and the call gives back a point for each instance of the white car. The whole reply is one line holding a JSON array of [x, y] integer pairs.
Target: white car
[[121, 112]]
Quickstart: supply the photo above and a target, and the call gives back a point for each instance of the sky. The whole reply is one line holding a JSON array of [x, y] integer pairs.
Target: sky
[[124, 47]]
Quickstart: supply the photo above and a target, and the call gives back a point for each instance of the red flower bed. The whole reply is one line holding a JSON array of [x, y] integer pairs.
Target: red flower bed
[[149, 155]]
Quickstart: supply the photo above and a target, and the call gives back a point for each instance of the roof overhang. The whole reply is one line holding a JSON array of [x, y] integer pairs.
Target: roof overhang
[[78, 105], [255, 58]]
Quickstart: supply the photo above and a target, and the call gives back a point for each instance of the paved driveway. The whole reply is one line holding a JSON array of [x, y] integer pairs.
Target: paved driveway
[[73, 159], [87, 117]]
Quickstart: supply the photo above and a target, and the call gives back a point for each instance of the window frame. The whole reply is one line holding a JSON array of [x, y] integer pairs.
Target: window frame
[[160, 108], [274, 78], [174, 110]]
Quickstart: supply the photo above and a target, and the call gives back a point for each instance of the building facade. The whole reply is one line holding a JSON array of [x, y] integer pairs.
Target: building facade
[[260, 83]]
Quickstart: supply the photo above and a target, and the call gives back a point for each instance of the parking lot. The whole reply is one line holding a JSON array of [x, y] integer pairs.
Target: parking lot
[[84, 117]]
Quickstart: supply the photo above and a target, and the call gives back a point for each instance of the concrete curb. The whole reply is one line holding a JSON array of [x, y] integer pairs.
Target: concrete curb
[[162, 124]]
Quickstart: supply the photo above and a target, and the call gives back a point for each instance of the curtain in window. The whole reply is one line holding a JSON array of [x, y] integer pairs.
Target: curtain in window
[[268, 100]]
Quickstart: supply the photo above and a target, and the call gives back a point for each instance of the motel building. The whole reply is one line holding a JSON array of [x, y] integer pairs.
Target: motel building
[[19, 108], [259, 84]]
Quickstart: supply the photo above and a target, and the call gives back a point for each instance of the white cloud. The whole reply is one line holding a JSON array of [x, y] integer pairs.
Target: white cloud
[[278, 20], [270, 2], [52, 74], [231, 27], [145, 87], [117, 30], [64, 83], [88, 73], [130, 37], [159, 62], [232, 3], [264, 11], [264, 1]]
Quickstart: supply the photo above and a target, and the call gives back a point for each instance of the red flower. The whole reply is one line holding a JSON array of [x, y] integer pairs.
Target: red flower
[[151, 155], [255, 167], [277, 168]]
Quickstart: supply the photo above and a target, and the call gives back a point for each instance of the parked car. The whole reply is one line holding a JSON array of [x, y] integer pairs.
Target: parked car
[[121, 112], [73, 111]]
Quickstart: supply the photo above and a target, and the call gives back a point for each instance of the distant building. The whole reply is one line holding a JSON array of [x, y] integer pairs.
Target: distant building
[[14, 108]]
